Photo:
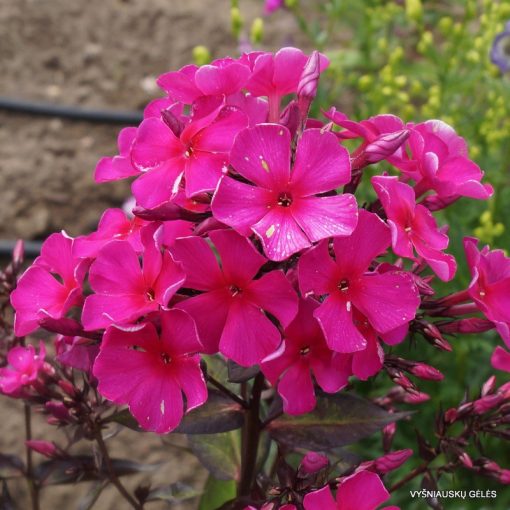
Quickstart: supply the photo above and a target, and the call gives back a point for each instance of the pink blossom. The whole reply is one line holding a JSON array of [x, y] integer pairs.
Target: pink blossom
[[304, 352], [439, 161], [413, 226], [313, 462], [490, 284], [124, 291], [50, 287], [500, 359], [230, 311], [113, 225], [271, 6], [225, 76], [361, 491], [282, 208], [76, 352], [276, 75], [388, 300], [118, 167], [150, 372], [24, 367], [199, 153]]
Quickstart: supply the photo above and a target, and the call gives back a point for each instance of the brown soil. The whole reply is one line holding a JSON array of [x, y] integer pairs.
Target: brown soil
[[101, 54]]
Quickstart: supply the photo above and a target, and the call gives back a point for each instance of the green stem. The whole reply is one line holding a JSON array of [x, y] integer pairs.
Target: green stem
[[250, 439]]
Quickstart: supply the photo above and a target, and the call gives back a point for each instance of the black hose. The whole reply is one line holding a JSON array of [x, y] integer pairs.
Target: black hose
[[70, 112], [32, 248]]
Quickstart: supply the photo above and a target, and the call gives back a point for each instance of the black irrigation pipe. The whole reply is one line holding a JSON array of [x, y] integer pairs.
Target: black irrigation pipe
[[32, 248], [70, 112]]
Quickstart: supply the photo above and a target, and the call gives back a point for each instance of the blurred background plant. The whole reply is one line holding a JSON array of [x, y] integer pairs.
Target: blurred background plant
[[423, 59]]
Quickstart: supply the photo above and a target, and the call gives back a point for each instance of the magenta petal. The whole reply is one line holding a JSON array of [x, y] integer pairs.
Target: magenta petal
[[368, 362], [500, 359], [113, 169], [158, 185], [262, 155], [117, 267], [37, 289], [192, 381], [326, 216], [322, 164], [249, 336], [296, 389], [320, 500], [203, 172], [169, 280], [332, 372], [335, 318], [274, 293], [281, 236], [388, 300], [199, 263], [361, 491], [443, 264], [57, 256], [316, 270], [233, 248], [213, 80], [178, 332], [288, 66], [181, 85], [354, 254], [101, 310], [240, 214], [219, 135], [210, 311]]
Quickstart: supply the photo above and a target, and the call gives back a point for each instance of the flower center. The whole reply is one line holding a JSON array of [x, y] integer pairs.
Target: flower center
[[344, 285], [234, 290], [166, 358], [285, 199], [150, 294], [304, 351], [189, 152]]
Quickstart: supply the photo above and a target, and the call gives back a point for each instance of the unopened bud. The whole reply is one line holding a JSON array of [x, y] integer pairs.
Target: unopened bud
[[487, 403], [391, 461], [313, 462], [46, 448], [471, 325], [465, 459], [385, 145], [489, 386], [67, 387], [291, 117], [18, 254], [236, 21], [388, 433], [451, 415], [58, 410], [504, 476], [426, 372], [309, 82], [257, 31], [175, 124], [201, 55], [416, 398]]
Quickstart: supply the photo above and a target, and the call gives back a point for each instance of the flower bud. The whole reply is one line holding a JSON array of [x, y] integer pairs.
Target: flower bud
[[308, 83], [416, 398], [488, 386], [58, 410], [451, 415], [426, 372], [391, 461], [67, 387], [313, 462], [504, 476], [18, 254], [201, 55], [257, 31], [465, 459], [485, 404], [385, 145], [46, 448], [175, 124], [291, 117], [388, 433]]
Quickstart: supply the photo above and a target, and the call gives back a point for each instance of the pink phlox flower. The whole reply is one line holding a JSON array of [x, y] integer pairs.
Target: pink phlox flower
[[24, 367], [151, 372], [439, 161], [113, 225], [199, 153], [231, 310], [304, 352], [490, 284], [388, 300], [76, 352], [223, 77], [361, 491], [120, 166], [50, 287], [500, 359], [413, 226], [157, 107], [124, 291], [276, 75], [271, 6], [281, 206]]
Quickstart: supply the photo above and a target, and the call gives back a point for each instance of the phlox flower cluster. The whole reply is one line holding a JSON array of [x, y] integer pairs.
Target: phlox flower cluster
[[247, 240]]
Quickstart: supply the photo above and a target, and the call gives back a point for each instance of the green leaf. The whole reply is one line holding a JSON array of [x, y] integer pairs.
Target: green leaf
[[220, 454], [173, 493], [337, 420], [239, 374], [218, 414], [92, 495], [216, 493]]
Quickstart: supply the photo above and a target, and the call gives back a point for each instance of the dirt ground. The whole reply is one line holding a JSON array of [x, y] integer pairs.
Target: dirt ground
[[100, 54]]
